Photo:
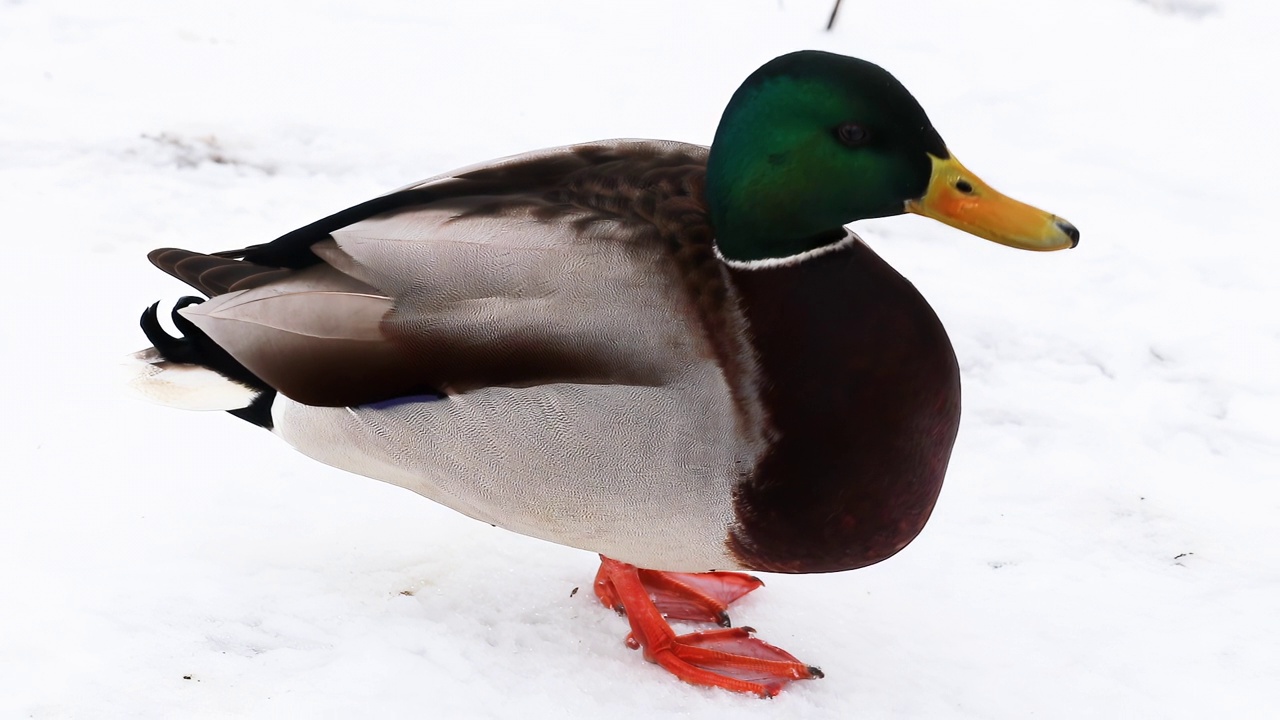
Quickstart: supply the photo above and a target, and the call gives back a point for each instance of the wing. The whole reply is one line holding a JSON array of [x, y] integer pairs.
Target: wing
[[590, 264]]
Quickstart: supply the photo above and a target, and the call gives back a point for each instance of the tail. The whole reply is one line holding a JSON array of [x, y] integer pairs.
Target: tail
[[191, 372]]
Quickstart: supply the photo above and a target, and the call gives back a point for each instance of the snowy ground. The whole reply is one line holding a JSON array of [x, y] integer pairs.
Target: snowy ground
[[1107, 542]]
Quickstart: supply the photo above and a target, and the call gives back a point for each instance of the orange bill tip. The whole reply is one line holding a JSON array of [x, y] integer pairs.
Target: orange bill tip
[[960, 199]]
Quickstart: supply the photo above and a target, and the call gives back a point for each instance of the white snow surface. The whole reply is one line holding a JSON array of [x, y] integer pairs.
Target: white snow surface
[[1106, 544]]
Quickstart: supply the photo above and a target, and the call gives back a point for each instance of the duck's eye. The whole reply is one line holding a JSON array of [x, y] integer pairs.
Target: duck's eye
[[852, 134]]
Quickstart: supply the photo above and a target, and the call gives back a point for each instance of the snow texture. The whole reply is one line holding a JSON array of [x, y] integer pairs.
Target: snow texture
[[1106, 544]]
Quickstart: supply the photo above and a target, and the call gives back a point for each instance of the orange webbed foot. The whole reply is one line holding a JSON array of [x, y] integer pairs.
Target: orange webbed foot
[[729, 658], [698, 597]]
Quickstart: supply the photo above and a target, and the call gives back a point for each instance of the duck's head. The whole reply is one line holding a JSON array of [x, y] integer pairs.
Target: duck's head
[[813, 141]]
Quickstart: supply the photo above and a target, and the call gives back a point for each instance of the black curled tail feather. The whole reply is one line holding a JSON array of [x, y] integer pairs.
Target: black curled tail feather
[[194, 347]]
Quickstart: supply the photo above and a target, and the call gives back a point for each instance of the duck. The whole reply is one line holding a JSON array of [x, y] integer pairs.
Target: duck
[[673, 356]]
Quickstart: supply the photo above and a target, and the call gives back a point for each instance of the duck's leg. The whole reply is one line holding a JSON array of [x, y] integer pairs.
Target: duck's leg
[[700, 597], [728, 658]]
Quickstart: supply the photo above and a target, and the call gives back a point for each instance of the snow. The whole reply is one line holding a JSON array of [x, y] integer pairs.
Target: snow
[[1106, 544]]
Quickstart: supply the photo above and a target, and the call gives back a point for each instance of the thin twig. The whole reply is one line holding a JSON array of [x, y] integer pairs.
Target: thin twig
[[832, 22]]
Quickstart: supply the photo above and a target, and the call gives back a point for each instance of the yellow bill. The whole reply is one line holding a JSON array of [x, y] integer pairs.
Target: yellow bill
[[958, 198]]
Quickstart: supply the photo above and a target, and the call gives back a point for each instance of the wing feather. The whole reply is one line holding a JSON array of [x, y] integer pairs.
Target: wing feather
[[548, 269]]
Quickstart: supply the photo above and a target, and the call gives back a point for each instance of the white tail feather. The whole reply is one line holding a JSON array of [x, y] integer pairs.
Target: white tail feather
[[189, 387]]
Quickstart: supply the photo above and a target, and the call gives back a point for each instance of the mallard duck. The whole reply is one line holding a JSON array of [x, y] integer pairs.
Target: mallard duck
[[673, 356]]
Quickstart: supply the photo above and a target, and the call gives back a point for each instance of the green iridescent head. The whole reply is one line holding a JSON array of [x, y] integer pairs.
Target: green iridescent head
[[812, 141]]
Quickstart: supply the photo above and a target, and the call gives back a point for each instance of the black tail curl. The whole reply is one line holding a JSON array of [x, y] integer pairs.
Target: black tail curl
[[194, 347]]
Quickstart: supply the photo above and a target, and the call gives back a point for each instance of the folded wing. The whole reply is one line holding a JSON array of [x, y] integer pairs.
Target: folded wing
[[536, 270]]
